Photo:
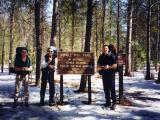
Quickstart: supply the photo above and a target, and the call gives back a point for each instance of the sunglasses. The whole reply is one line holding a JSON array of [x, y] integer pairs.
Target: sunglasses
[[50, 51]]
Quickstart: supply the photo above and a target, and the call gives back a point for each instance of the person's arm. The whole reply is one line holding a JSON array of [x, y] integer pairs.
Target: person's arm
[[44, 64], [113, 66], [51, 63], [18, 68], [99, 66], [27, 68]]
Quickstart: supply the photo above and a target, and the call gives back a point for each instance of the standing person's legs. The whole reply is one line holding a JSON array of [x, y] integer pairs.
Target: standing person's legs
[[43, 87], [51, 88], [106, 89], [112, 89], [25, 84], [16, 93]]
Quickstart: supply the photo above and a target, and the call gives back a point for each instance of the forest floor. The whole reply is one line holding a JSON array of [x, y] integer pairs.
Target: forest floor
[[144, 96]]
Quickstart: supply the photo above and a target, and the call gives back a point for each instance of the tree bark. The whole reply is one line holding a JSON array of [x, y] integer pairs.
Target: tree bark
[[73, 24], [96, 25], [3, 55], [158, 41], [134, 51], [129, 39], [148, 75], [54, 25], [103, 20], [11, 32], [110, 22], [118, 30], [158, 80], [87, 40], [38, 41], [59, 24]]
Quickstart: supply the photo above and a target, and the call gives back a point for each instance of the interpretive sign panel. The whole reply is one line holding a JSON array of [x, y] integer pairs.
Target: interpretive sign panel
[[76, 63], [122, 59]]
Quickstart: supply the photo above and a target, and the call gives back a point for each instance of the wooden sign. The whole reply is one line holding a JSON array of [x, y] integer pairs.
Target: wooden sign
[[76, 63], [121, 59]]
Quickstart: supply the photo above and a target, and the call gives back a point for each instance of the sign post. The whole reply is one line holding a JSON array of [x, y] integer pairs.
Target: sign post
[[76, 63], [89, 90], [121, 62], [61, 89]]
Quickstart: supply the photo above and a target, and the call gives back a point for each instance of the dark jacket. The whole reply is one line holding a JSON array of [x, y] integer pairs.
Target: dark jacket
[[106, 59]]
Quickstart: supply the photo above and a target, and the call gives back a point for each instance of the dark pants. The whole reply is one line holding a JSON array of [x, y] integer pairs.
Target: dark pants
[[47, 75], [109, 87]]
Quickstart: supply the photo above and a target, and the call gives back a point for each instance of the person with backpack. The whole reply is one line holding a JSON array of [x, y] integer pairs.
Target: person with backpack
[[106, 66], [22, 68], [48, 69], [112, 49]]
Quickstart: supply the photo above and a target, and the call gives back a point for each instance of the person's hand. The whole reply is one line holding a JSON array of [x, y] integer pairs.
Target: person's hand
[[24, 68], [107, 67], [49, 60], [51, 66]]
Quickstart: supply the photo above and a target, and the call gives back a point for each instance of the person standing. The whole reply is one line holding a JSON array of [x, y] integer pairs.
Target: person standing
[[112, 49], [22, 67], [106, 66], [48, 69]]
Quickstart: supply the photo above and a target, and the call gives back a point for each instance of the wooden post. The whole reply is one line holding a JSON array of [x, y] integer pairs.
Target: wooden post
[[158, 79], [159, 74], [89, 90], [61, 89], [120, 84]]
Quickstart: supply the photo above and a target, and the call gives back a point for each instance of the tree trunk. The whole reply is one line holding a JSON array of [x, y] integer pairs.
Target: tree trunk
[[96, 25], [11, 32], [129, 39], [158, 41], [134, 51], [54, 25], [110, 21], [158, 80], [148, 75], [87, 40], [103, 21], [73, 24], [3, 55], [59, 24], [118, 30], [38, 41], [82, 40]]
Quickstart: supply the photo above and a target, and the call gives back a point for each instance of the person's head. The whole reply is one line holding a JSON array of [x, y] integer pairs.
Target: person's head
[[49, 51], [112, 48], [24, 53], [105, 49]]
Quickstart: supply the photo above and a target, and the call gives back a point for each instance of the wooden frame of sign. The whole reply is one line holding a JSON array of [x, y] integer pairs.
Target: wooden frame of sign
[[82, 63], [121, 59], [76, 63], [121, 62]]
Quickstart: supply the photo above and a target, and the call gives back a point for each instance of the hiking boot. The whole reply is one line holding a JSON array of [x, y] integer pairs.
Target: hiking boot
[[15, 104], [113, 106], [26, 104], [51, 103], [107, 104], [80, 90], [41, 102]]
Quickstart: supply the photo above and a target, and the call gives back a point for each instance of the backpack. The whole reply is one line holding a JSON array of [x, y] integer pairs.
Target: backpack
[[17, 56]]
